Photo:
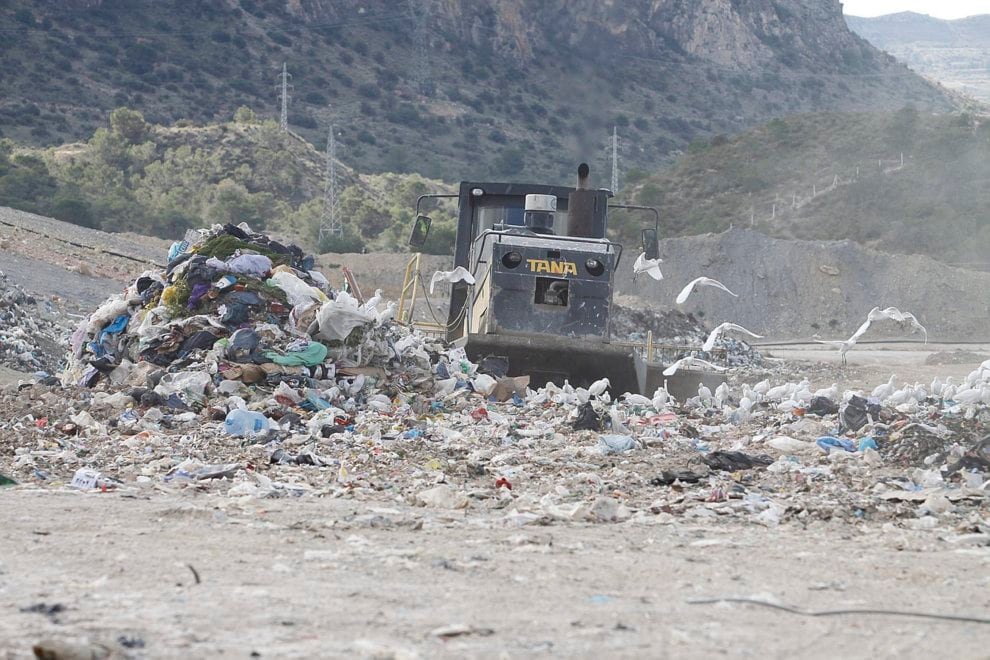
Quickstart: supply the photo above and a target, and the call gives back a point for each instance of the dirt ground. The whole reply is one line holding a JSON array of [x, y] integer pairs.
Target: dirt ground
[[331, 578], [169, 573], [871, 364]]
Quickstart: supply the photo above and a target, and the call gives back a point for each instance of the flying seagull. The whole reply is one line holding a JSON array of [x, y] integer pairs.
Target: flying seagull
[[895, 314], [725, 327], [685, 363], [459, 274], [701, 281], [649, 266]]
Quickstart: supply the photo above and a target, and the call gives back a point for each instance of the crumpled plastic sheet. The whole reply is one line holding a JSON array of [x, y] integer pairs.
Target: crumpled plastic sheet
[[337, 318]]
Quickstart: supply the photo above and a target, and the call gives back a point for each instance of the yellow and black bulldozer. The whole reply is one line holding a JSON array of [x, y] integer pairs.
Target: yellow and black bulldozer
[[544, 277]]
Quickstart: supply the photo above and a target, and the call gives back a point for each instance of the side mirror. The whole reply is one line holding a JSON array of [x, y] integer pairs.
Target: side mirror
[[651, 246], [420, 230]]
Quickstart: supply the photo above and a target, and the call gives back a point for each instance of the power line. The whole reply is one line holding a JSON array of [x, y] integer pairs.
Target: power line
[[283, 118], [422, 73], [330, 222]]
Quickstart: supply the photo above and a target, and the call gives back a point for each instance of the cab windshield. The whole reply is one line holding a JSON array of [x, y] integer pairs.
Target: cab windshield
[[499, 211]]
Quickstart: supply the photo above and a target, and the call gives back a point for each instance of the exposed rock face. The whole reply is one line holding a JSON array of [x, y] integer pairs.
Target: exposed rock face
[[731, 33]]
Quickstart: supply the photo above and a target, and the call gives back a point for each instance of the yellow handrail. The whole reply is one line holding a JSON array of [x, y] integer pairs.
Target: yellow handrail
[[405, 312]]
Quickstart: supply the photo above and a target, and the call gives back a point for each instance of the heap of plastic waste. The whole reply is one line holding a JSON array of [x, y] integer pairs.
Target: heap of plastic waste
[[231, 308], [30, 330], [241, 327]]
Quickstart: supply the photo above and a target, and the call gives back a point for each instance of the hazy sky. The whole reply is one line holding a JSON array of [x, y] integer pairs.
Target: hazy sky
[[939, 8]]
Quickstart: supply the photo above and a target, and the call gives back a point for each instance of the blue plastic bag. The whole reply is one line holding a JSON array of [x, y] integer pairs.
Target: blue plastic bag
[[829, 443]]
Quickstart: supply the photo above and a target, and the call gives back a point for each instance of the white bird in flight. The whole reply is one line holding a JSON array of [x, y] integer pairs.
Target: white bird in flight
[[459, 274], [895, 314], [725, 327], [685, 363], [649, 266], [701, 281]]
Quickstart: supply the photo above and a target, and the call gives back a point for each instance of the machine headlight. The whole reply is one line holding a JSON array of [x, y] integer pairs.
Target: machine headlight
[[511, 259], [594, 267]]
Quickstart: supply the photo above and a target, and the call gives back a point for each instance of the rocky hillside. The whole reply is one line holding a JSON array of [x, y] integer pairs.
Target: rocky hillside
[[837, 176], [955, 53], [451, 89]]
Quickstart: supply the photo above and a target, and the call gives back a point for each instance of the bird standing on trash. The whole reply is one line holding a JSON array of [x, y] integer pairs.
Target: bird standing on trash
[[883, 391], [598, 387], [704, 394], [829, 393], [372, 303], [661, 398]]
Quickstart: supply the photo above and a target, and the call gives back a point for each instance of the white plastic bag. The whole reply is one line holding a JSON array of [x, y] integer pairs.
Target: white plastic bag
[[484, 384], [337, 318], [187, 384], [106, 313], [297, 291]]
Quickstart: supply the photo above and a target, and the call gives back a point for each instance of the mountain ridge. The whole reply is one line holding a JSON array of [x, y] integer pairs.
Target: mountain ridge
[[413, 84], [955, 53]]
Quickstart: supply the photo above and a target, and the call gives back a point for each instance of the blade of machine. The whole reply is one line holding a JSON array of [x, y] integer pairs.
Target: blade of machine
[[545, 359]]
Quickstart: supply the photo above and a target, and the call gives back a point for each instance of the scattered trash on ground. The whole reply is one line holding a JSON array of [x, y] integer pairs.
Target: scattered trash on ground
[[240, 370]]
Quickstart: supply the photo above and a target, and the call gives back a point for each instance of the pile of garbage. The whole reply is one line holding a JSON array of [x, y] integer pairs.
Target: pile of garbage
[[31, 331], [680, 332], [239, 370], [672, 326], [235, 309]]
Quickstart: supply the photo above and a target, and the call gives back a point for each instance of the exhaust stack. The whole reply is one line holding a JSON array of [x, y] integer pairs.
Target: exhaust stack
[[581, 205], [583, 176]]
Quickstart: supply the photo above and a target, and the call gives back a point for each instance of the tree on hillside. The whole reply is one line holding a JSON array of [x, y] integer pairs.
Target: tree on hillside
[[129, 124], [903, 128], [232, 203], [510, 162], [6, 148], [245, 115]]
